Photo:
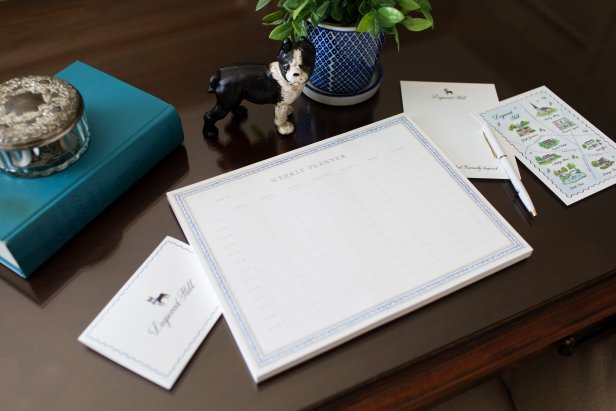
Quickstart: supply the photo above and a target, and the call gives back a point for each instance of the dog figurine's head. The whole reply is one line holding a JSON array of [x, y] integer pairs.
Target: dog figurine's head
[[296, 63]]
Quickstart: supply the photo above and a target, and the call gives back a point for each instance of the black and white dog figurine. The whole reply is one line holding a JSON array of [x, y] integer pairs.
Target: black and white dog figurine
[[279, 82]]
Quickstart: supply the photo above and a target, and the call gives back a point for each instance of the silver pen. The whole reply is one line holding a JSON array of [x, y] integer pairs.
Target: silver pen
[[500, 154]]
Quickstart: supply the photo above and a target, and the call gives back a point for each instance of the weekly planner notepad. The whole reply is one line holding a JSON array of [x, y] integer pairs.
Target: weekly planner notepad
[[313, 247]]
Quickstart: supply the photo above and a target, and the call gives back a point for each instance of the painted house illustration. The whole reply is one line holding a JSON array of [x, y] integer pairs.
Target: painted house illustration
[[543, 111], [563, 123], [549, 143], [590, 144], [547, 159], [522, 128], [602, 163], [569, 174]]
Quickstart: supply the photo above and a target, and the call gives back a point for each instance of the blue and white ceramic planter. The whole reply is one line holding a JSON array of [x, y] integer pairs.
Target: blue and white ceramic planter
[[346, 61]]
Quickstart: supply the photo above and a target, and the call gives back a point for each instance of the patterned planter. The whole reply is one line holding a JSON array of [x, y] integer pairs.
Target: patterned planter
[[346, 61]]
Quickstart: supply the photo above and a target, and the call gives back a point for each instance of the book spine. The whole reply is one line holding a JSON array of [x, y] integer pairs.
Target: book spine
[[36, 242]]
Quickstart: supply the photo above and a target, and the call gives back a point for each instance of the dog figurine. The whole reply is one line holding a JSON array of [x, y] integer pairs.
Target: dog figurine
[[279, 82]]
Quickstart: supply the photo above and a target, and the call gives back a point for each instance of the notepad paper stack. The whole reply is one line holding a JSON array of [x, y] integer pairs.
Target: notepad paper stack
[[131, 131], [313, 247]]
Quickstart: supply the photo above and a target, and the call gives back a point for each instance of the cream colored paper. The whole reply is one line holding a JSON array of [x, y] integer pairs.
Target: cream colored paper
[[443, 110]]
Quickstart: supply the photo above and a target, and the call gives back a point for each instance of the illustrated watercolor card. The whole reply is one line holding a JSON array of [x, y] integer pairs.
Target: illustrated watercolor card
[[571, 156]]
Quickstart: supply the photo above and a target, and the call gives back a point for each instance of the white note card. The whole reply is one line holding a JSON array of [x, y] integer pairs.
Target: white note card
[[159, 318], [443, 111], [315, 246]]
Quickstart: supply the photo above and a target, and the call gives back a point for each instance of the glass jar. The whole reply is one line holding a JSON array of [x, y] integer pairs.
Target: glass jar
[[43, 128]]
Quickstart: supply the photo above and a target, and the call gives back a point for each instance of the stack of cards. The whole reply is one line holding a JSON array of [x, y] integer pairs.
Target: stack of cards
[[159, 318]]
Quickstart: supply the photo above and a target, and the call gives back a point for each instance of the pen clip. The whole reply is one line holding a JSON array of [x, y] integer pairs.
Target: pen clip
[[484, 135]]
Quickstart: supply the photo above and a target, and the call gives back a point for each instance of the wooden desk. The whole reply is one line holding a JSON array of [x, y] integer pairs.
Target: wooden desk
[[169, 49]]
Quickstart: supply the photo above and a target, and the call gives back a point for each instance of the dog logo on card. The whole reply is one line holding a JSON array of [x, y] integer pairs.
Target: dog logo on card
[[448, 94], [158, 300]]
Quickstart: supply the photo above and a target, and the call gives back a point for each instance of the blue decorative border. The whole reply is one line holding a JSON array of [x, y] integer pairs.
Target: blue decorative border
[[265, 359], [119, 297]]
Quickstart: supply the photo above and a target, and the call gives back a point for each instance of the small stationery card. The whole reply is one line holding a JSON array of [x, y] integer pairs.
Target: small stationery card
[[158, 319], [443, 111], [563, 149]]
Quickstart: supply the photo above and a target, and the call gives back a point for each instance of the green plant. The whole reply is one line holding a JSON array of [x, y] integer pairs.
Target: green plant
[[370, 16]]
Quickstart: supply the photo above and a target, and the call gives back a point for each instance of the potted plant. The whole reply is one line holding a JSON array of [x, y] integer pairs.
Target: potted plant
[[348, 36]]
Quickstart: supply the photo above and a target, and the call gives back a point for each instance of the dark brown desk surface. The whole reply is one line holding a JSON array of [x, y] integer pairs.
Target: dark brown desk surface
[[169, 48]]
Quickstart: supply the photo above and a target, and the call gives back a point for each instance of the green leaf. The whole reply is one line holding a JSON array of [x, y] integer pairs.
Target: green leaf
[[409, 5], [337, 12], [365, 7], [299, 27], [390, 16], [375, 29], [291, 5], [428, 16], [383, 3], [350, 14], [282, 32], [272, 17], [366, 23], [416, 24], [274, 23], [315, 18], [424, 4], [261, 4], [322, 9], [397, 37], [299, 9], [304, 14]]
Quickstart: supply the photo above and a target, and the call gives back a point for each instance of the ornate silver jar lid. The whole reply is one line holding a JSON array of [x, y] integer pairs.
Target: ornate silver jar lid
[[42, 125]]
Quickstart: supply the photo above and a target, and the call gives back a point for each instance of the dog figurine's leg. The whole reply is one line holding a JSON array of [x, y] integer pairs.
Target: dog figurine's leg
[[210, 118], [281, 114], [239, 113]]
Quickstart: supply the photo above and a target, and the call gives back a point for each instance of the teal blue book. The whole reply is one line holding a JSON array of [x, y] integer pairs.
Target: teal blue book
[[130, 130]]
